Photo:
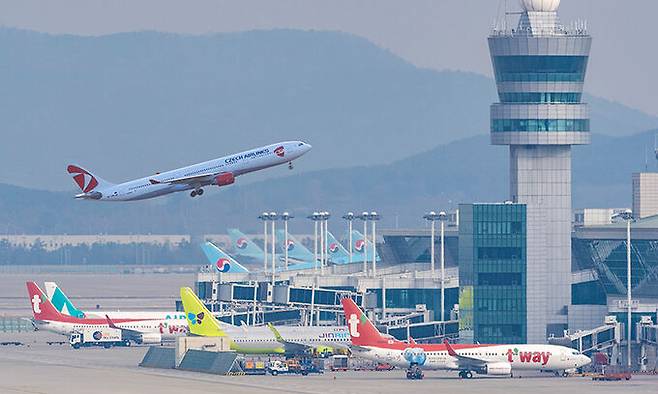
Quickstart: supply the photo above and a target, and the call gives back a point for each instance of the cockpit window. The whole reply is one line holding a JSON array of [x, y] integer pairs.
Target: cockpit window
[[300, 144]]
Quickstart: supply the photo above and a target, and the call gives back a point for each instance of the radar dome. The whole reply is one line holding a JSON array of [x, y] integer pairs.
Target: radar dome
[[540, 5]]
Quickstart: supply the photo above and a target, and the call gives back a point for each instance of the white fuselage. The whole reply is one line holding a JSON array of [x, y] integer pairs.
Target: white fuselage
[[167, 329], [246, 336], [519, 357], [237, 164]]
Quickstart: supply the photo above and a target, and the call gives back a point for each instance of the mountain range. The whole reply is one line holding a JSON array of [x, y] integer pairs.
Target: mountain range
[[132, 104]]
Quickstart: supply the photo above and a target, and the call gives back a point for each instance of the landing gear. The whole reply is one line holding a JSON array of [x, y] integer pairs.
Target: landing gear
[[197, 192], [290, 165], [415, 373], [466, 374]]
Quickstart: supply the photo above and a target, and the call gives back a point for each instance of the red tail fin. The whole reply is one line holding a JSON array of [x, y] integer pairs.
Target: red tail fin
[[362, 331], [41, 306], [451, 351], [85, 180]]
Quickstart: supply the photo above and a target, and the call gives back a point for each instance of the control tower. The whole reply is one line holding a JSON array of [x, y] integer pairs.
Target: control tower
[[540, 66]]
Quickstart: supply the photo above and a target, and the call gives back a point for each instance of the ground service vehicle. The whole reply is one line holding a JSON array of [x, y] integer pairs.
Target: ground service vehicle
[[613, 373], [103, 336]]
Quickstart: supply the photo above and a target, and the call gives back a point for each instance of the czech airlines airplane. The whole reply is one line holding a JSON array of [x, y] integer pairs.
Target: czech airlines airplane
[[218, 172], [259, 340], [502, 360], [46, 317]]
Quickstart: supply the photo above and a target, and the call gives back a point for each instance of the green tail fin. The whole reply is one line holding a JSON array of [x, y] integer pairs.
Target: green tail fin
[[199, 319]]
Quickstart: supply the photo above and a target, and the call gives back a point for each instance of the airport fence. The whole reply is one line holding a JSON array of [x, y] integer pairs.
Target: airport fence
[[15, 324]]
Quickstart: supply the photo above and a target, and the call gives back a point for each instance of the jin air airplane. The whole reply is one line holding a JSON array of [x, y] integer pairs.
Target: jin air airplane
[[217, 172], [500, 360], [259, 340]]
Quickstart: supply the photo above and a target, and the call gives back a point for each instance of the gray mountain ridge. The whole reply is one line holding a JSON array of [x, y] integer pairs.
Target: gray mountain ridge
[[131, 104]]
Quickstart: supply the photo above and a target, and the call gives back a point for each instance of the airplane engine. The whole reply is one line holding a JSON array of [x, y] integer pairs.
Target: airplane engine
[[224, 179], [149, 338], [498, 369]]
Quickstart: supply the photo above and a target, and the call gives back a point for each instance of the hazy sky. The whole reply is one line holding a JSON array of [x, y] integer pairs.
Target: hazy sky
[[439, 34]]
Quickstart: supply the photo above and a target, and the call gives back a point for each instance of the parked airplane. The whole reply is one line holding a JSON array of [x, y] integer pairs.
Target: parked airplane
[[259, 340], [65, 306], [337, 252], [46, 317], [296, 250], [245, 247], [219, 172], [503, 360], [219, 258], [359, 248]]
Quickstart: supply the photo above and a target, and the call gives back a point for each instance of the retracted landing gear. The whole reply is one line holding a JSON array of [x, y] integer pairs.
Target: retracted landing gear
[[196, 192], [415, 373], [466, 374]]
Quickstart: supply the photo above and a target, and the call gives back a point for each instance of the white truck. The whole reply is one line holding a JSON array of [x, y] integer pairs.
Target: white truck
[[106, 337]]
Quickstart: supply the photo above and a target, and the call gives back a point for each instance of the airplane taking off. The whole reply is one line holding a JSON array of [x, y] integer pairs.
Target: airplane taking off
[[218, 172], [501, 360]]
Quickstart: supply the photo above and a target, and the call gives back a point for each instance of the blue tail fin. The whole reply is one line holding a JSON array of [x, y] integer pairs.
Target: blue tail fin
[[359, 247], [221, 260], [337, 252], [61, 302], [296, 250], [243, 246]]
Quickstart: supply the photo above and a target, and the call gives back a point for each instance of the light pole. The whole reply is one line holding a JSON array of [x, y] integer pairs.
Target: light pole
[[285, 217], [349, 217], [323, 218], [327, 215], [628, 216], [315, 217], [264, 217], [442, 218], [374, 217], [273, 218], [364, 216], [431, 217]]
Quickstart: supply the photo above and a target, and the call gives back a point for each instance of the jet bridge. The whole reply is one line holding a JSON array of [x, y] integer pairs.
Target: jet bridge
[[647, 337], [605, 339]]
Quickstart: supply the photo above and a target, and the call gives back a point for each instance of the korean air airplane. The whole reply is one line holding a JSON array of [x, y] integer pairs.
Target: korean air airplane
[[244, 246], [337, 252], [296, 250], [360, 245], [224, 263], [217, 172]]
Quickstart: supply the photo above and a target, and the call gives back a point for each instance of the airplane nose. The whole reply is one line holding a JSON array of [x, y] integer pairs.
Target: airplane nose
[[585, 360]]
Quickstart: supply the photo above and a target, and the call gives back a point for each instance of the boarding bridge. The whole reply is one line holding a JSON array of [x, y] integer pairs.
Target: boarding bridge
[[605, 339], [428, 332], [647, 337]]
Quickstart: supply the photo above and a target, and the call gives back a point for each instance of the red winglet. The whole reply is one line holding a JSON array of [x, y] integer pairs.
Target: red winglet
[[411, 341], [111, 323], [451, 351]]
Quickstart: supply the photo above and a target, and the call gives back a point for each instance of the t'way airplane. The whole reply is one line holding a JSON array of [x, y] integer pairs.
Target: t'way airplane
[[46, 317], [502, 360], [219, 172]]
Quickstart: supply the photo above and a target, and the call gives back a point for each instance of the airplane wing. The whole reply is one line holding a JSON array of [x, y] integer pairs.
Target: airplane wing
[[186, 180], [132, 334], [464, 361], [290, 347]]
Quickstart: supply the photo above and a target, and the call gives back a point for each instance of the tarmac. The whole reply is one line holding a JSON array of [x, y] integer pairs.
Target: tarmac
[[38, 367]]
